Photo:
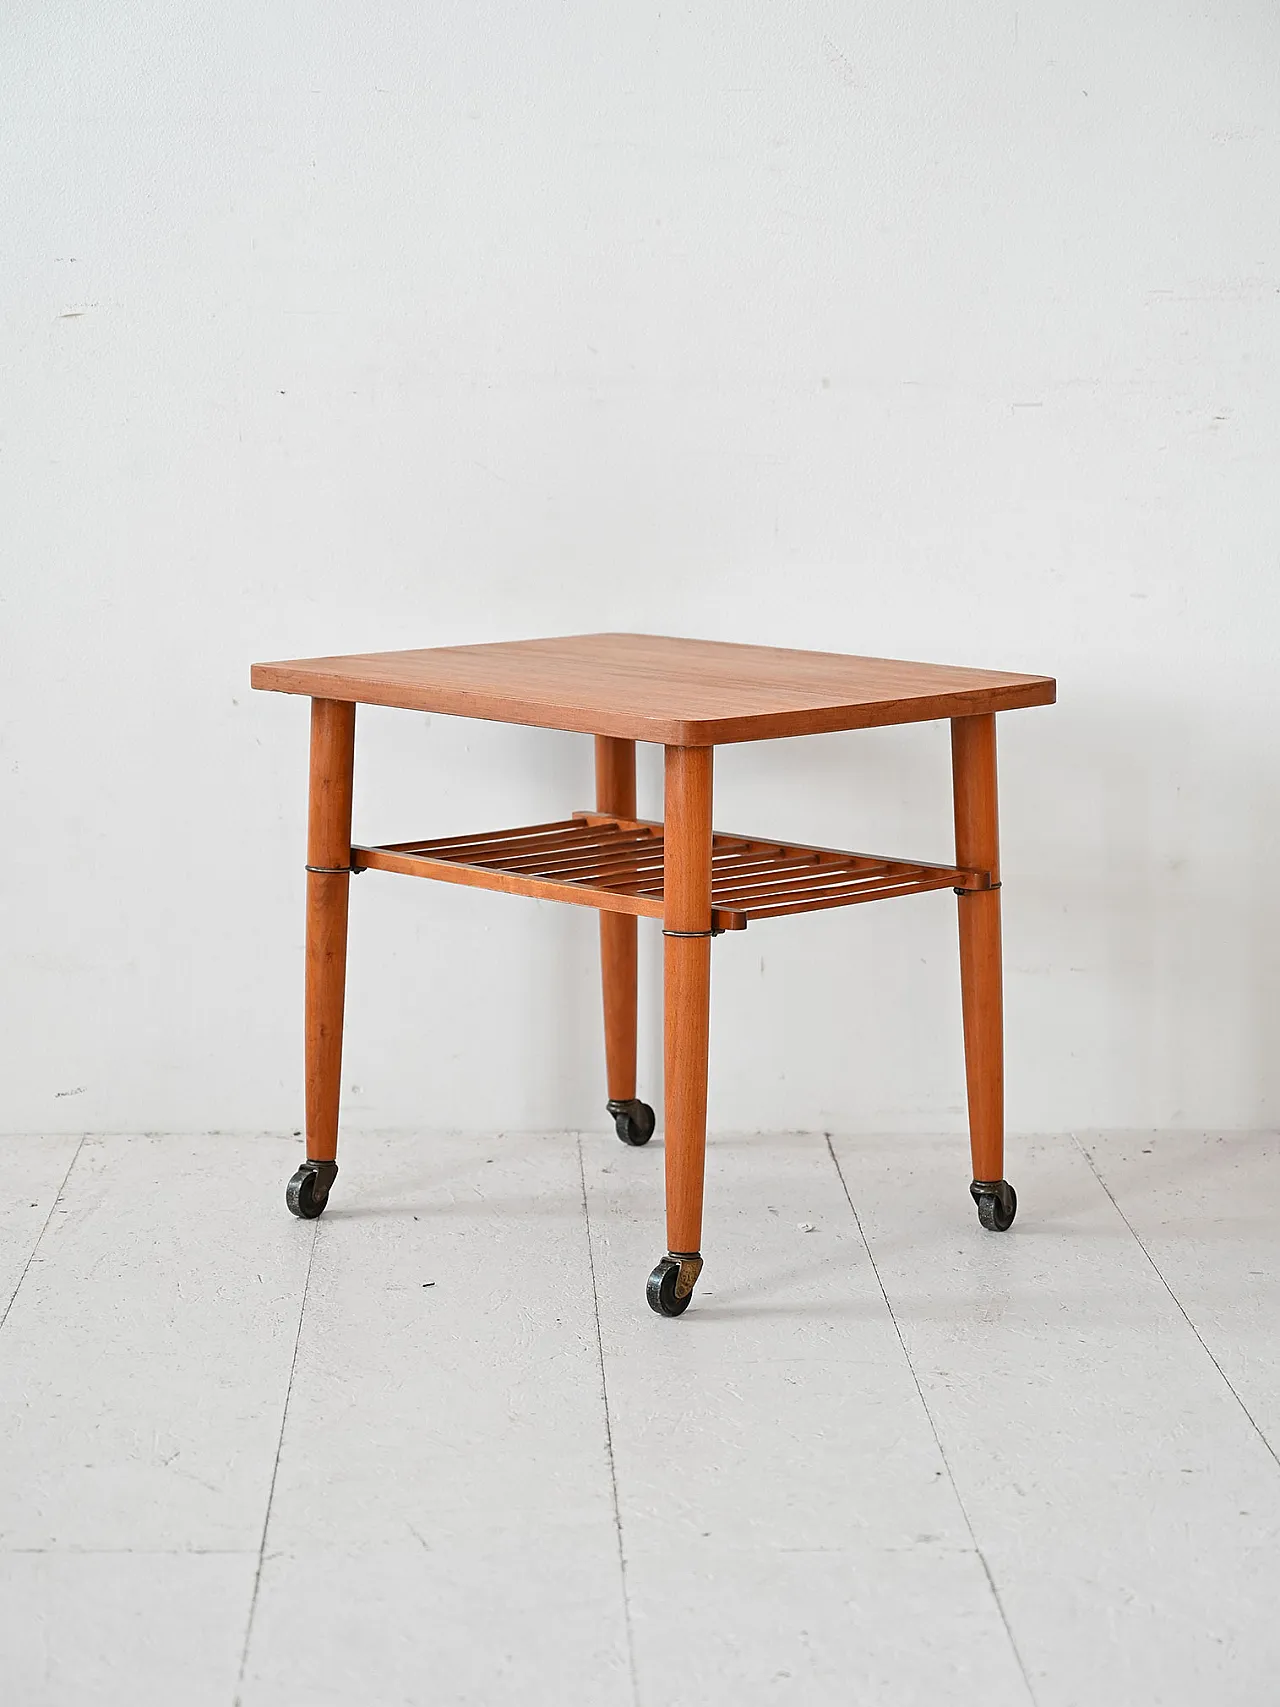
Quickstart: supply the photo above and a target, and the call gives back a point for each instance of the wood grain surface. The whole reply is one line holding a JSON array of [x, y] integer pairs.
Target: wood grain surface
[[973, 758], [333, 734], [683, 693], [686, 1002], [619, 948]]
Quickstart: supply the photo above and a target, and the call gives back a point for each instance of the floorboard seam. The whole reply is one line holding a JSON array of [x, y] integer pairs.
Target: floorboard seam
[[1155, 1269], [946, 1463], [128, 1552], [57, 1199], [275, 1471], [608, 1437]]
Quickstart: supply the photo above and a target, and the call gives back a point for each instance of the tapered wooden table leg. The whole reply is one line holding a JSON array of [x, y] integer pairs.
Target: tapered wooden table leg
[[616, 795], [973, 762], [333, 728], [686, 925]]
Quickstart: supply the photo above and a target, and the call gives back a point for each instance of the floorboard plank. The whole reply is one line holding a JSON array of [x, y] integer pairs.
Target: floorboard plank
[[122, 1629], [1206, 1207], [144, 1362], [1128, 1511], [445, 1451], [785, 1509], [34, 1169]]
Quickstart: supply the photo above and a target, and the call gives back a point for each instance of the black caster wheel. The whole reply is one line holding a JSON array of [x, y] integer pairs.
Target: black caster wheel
[[997, 1203], [671, 1284], [308, 1191], [633, 1120]]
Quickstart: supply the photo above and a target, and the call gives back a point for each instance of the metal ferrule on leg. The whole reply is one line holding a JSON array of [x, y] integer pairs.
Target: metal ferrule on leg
[[690, 1266]]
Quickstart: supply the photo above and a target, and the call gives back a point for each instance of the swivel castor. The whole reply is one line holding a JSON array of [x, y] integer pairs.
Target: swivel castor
[[671, 1284], [632, 1120], [997, 1203], [308, 1191]]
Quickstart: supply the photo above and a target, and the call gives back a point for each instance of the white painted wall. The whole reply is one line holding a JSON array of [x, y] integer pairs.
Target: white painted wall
[[944, 331]]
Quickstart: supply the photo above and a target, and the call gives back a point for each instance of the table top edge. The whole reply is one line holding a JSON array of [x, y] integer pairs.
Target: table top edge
[[1018, 693]]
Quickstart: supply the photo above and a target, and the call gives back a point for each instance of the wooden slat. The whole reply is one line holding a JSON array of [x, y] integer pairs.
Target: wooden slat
[[438, 843], [617, 865], [508, 883], [847, 900], [539, 847], [617, 870], [746, 870], [770, 871], [803, 874], [729, 864], [753, 901], [762, 892], [592, 872], [723, 836], [612, 849]]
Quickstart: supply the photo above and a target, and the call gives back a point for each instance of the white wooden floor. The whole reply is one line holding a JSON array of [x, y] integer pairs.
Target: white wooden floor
[[435, 1449]]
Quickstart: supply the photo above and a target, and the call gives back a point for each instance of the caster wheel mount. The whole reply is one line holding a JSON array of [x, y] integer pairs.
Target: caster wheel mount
[[997, 1203], [632, 1120], [671, 1284], [308, 1191]]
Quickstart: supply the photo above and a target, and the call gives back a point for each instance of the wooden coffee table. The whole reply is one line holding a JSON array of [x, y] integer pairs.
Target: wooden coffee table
[[689, 696]]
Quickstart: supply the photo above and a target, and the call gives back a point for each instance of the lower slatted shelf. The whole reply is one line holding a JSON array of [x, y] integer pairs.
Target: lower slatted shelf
[[615, 864]]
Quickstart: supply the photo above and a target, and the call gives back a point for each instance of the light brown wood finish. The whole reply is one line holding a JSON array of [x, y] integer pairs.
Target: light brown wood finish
[[973, 765], [616, 795], [333, 730], [514, 883], [686, 988], [649, 687], [617, 865]]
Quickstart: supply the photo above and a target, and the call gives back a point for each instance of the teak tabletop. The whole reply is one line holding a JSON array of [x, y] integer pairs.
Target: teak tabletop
[[643, 687]]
